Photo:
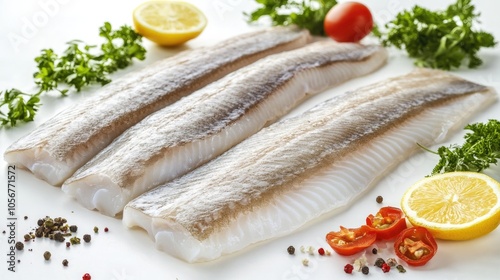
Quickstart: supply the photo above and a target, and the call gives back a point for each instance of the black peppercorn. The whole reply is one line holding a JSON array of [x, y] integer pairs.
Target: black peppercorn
[[374, 251], [47, 255], [73, 228], [379, 199], [379, 262], [291, 250], [65, 262], [86, 238], [365, 270], [19, 246]]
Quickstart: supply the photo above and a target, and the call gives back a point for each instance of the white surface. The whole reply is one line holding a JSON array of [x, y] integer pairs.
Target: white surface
[[26, 27]]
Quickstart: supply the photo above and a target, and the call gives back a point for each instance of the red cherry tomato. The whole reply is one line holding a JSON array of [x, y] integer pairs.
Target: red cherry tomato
[[348, 22], [387, 223], [415, 245], [350, 241]]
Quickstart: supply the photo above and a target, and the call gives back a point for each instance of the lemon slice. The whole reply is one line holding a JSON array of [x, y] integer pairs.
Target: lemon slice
[[454, 206], [169, 23]]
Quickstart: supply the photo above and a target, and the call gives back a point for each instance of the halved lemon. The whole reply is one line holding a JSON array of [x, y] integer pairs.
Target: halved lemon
[[455, 205], [169, 22]]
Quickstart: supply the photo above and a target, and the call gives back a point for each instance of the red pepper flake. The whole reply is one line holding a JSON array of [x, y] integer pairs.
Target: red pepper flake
[[321, 251], [348, 268], [106, 229], [86, 276], [386, 268]]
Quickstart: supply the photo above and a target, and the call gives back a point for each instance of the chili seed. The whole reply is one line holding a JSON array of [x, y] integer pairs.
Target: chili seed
[[379, 262], [19, 246], [305, 262], [47, 255], [290, 250], [348, 268], [374, 251], [321, 251], [379, 199], [391, 262], [65, 262], [365, 270], [400, 268]]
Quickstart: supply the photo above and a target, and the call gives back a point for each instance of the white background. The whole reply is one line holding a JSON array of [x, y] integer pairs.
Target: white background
[[28, 26]]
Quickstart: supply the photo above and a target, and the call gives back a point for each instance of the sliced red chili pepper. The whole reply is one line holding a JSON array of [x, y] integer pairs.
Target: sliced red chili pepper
[[350, 241], [415, 245], [387, 223]]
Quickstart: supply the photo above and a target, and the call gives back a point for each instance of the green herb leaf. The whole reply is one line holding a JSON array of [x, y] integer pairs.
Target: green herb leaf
[[78, 66], [438, 39], [480, 149], [21, 107], [308, 14]]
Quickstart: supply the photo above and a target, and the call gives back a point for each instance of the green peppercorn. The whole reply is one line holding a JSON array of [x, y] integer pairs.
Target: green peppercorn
[[291, 250], [365, 270], [379, 262], [86, 238], [19, 246], [379, 199], [96, 229], [47, 255], [27, 237], [74, 240], [400, 268]]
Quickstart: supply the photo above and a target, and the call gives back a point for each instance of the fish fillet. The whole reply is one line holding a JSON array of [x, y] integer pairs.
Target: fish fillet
[[57, 148], [203, 125], [305, 166]]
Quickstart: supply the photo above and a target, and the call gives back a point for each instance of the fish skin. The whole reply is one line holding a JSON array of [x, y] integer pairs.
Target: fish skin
[[303, 167], [58, 147], [203, 125]]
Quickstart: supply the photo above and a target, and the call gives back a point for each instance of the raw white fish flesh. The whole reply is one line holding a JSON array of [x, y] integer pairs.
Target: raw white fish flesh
[[305, 166], [203, 125], [58, 147]]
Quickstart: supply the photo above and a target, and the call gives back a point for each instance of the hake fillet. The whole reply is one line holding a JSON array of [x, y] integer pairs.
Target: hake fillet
[[203, 125], [302, 167], [57, 148]]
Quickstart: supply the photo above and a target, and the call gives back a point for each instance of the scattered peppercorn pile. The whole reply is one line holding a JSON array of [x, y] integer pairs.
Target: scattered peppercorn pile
[[56, 229]]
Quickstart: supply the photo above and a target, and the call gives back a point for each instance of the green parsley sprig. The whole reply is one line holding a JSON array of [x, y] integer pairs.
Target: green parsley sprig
[[78, 66], [308, 14], [20, 106], [480, 150], [438, 39]]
